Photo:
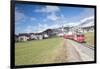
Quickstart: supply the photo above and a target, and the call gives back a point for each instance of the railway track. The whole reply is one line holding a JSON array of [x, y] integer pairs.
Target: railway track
[[85, 51], [86, 45], [89, 46]]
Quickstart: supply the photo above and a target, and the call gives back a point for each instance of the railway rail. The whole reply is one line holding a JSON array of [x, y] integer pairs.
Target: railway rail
[[89, 46]]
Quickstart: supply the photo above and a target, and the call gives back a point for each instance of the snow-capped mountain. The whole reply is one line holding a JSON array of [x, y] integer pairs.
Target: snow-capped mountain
[[87, 22]]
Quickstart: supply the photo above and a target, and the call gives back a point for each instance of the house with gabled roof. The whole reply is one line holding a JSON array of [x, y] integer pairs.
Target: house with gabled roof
[[23, 37]]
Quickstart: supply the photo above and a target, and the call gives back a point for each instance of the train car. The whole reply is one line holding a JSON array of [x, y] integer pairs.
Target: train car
[[79, 38], [68, 36]]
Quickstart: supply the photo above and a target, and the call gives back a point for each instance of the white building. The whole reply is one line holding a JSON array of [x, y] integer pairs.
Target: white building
[[23, 38]]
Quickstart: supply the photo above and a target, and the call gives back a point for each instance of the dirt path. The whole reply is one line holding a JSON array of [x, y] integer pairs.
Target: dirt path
[[67, 53], [61, 55], [73, 54]]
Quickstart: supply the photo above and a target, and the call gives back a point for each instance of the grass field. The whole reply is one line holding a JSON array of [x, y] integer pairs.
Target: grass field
[[44, 51], [37, 51], [89, 38]]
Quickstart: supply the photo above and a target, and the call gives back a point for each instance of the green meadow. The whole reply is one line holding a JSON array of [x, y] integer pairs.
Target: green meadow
[[89, 38], [37, 51]]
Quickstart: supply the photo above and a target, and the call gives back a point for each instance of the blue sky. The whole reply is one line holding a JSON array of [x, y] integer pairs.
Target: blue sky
[[37, 18]]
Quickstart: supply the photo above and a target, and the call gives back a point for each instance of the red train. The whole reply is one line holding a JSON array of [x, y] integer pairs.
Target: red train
[[77, 37]]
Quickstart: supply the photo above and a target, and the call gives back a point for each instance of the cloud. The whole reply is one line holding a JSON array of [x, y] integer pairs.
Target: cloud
[[34, 29], [32, 18], [51, 14], [85, 13], [19, 16], [53, 17], [42, 27], [39, 28], [48, 9], [29, 29]]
